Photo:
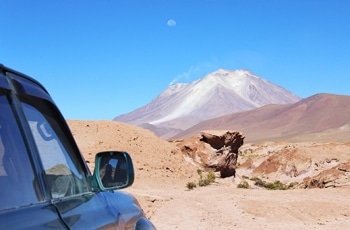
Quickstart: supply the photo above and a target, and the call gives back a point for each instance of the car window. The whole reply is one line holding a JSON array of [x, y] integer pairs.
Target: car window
[[63, 171], [18, 185]]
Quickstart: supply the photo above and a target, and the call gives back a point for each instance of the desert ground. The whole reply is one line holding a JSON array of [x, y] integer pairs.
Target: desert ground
[[162, 173]]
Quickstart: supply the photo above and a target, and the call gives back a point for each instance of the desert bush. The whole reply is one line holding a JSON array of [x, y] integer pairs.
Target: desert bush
[[276, 185], [203, 182], [293, 185], [243, 184], [258, 182], [208, 179], [191, 185], [211, 176]]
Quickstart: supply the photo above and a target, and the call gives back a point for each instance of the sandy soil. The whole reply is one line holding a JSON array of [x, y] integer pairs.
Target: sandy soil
[[162, 175], [224, 206]]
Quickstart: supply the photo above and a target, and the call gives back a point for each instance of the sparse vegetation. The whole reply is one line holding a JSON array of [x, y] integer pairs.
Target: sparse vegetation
[[211, 176], [258, 182], [208, 179], [247, 154], [276, 185], [243, 184], [191, 185], [293, 185]]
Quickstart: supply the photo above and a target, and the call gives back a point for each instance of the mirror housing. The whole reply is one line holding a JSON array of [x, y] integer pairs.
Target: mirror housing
[[113, 170]]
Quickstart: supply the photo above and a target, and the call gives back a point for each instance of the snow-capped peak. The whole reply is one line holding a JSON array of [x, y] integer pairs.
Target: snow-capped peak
[[216, 94]]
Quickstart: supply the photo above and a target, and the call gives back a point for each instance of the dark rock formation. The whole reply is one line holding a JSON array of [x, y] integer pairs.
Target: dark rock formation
[[216, 150]]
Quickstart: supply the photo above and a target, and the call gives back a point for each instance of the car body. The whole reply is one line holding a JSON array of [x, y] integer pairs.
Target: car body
[[44, 180]]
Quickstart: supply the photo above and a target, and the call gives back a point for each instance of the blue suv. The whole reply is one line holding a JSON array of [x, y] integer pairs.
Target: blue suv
[[44, 180]]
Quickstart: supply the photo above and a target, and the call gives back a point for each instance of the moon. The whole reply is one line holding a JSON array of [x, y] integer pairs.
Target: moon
[[171, 22]]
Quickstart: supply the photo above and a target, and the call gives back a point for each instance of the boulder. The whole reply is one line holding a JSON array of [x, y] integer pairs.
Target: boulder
[[215, 149]]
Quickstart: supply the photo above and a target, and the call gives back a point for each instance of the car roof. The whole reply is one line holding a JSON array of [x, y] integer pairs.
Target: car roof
[[22, 84]]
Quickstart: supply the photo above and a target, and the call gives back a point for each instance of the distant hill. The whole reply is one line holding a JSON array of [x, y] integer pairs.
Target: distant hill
[[222, 92], [322, 117]]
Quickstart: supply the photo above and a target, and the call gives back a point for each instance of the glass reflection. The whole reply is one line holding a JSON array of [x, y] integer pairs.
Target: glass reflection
[[113, 171]]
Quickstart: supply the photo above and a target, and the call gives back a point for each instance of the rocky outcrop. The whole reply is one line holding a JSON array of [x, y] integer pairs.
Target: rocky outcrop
[[216, 150], [334, 177], [310, 165]]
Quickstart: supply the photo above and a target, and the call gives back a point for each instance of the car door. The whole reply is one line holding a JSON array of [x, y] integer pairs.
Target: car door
[[22, 201], [65, 174]]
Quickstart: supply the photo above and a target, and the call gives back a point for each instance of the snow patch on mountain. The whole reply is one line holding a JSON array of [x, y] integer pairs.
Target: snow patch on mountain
[[219, 93]]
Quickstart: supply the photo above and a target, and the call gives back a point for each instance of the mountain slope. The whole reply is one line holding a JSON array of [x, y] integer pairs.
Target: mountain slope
[[219, 93], [321, 117]]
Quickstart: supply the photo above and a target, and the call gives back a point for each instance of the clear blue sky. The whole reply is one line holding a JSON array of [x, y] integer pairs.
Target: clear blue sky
[[100, 58]]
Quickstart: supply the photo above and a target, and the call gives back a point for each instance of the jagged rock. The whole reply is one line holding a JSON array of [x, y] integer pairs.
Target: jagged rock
[[217, 150], [334, 177]]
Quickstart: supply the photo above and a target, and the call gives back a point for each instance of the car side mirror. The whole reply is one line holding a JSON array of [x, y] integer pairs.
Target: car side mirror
[[113, 170]]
